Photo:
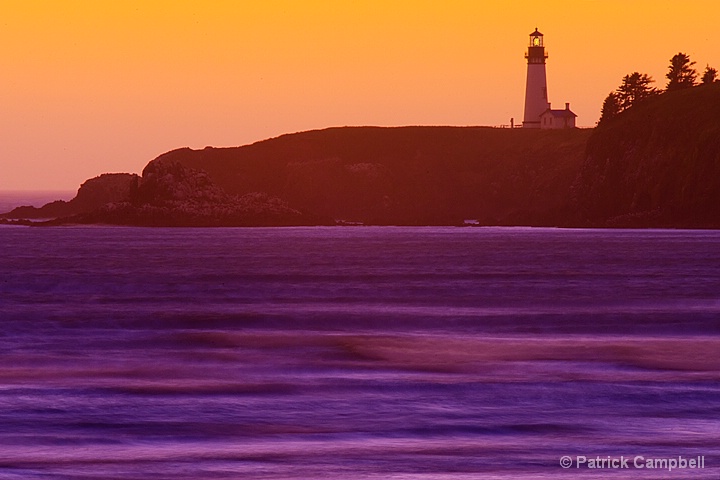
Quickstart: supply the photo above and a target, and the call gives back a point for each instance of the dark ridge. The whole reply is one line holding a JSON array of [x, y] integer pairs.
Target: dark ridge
[[407, 175]]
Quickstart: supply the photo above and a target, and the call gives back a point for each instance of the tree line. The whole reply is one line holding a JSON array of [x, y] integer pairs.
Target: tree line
[[636, 87]]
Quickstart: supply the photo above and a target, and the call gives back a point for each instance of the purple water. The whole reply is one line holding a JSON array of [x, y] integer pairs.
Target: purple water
[[356, 353]]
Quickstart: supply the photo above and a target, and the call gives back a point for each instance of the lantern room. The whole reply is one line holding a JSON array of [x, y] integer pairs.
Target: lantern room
[[536, 39]]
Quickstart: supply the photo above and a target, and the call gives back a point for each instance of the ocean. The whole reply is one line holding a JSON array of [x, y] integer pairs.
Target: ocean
[[359, 353]]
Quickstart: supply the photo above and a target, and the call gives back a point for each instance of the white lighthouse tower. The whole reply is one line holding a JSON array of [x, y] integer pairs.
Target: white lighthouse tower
[[536, 97]]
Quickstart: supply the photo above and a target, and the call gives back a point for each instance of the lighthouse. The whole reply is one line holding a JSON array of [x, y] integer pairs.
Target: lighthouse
[[536, 97]]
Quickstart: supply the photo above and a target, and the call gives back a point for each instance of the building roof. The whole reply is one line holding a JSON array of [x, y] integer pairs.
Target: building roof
[[536, 33], [559, 113]]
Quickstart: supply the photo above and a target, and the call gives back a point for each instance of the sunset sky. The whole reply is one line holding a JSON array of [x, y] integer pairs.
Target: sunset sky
[[94, 86]]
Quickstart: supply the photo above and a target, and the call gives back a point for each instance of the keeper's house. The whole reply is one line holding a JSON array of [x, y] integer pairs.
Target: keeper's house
[[557, 118]]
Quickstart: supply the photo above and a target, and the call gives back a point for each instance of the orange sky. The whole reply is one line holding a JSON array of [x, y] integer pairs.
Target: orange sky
[[94, 86]]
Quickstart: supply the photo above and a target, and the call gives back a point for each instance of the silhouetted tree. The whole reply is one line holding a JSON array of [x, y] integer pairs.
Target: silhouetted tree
[[634, 88], [681, 73], [610, 107], [709, 76]]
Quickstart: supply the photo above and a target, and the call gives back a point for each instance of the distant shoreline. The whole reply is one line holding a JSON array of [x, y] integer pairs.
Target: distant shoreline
[[10, 199]]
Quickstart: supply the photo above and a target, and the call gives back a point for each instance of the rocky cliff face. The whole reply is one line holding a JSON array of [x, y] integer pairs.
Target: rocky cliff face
[[657, 164]]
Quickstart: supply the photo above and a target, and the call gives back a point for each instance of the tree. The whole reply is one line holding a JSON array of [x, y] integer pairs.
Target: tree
[[709, 76], [681, 74], [610, 107], [635, 87]]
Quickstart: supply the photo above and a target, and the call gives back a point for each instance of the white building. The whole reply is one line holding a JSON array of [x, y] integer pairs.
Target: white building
[[557, 118], [538, 113]]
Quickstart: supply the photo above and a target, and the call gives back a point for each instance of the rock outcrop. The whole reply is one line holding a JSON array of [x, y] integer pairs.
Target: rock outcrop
[[170, 194], [167, 194]]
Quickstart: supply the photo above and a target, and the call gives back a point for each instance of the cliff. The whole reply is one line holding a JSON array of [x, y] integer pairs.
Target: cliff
[[656, 164], [407, 175]]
